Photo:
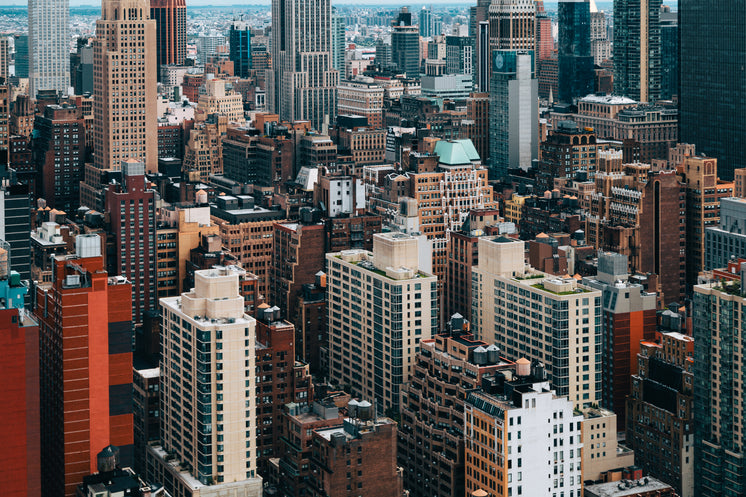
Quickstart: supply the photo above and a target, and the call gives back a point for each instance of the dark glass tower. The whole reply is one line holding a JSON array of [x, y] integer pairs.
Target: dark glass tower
[[574, 55], [405, 44], [713, 90], [669, 55], [637, 49], [240, 48]]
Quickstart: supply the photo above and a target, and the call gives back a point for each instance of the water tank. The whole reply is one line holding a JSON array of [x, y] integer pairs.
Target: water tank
[[352, 408], [276, 313], [364, 410], [523, 367], [201, 197], [493, 354], [480, 356], [108, 459], [87, 246], [457, 322], [306, 216], [268, 315]]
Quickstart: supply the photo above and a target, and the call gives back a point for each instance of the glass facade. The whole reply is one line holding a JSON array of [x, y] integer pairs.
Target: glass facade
[[637, 52], [576, 76]]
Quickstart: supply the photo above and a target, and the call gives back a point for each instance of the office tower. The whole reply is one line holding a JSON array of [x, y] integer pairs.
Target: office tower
[[58, 151], [4, 57], [426, 22], [628, 317], [711, 89], [430, 452], [48, 40], [728, 238], [514, 112], [521, 437], [20, 365], [239, 39], [383, 53], [478, 112], [209, 44], [303, 82], [203, 153], [405, 44], [216, 98], [637, 49], [398, 289], [171, 31], [124, 74], [146, 408], [669, 53], [458, 55], [703, 193], [208, 347], [365, 441], [131, 209], [570, 314], [574, 58], [81, 70], [602, 452], [483, 61], [512, 25], [717, 321], [85, 330], [338, 43], [21, 56], [544, 37], [600, 45], [15, 209], [660, 415]]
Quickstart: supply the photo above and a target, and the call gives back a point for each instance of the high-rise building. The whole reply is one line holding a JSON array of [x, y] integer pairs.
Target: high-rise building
[[124, 74], [505, 297], [567, 151], [660, 421], [21, 57], [85, 331], [458, 55], [628, 317], [239, 39], [338, 43], [4, 57], [637, 49], [58, 148], [521, 437], [303, 82], [20, 388], [728, 238], [131, 209], [669, 53], [405, 44], [48, 46], [15, 209], [703, 193], [431, 445], [482, 59], [512, 25], [514, 112], [81, 68], [544, 37], [600, 45], [399, 289], [574, 58], [720, 467], [171, 31], [208, 347], [712, 89], [602, 452], [362, 96], [426, 22]]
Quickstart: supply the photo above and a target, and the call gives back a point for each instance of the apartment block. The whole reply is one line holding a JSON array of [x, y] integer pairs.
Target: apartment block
[[601, 451], [208, 349], [361, 96], [521, 438], [526, 313], [374, 354]]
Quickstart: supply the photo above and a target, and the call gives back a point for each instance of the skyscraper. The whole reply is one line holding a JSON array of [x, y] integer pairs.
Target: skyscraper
[[575, 62], [514, 112], [85, 332], [512, 25], [426, 22], [713, 96], [637, 49], [171, 34], [239, 38], [21, 57], [48, 37], [718, 325], [338, 42], [669, 54], [405, 44], [124, 89], [303, 82]]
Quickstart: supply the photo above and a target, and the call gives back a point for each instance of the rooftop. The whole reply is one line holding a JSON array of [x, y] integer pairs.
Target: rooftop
[[626, 488], [608, 100]]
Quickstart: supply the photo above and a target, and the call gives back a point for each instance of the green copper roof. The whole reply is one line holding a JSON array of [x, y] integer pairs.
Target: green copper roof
[[456, 152]]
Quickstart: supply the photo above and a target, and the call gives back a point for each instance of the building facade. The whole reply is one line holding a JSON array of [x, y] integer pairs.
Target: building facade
[[48, 46], [171, 31], [637, 49]]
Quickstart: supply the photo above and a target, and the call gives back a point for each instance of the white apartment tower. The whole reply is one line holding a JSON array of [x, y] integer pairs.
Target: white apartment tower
[[381, 305], [124, 85], [208, 389], [49, 45], [303, 82], [544, 318]]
